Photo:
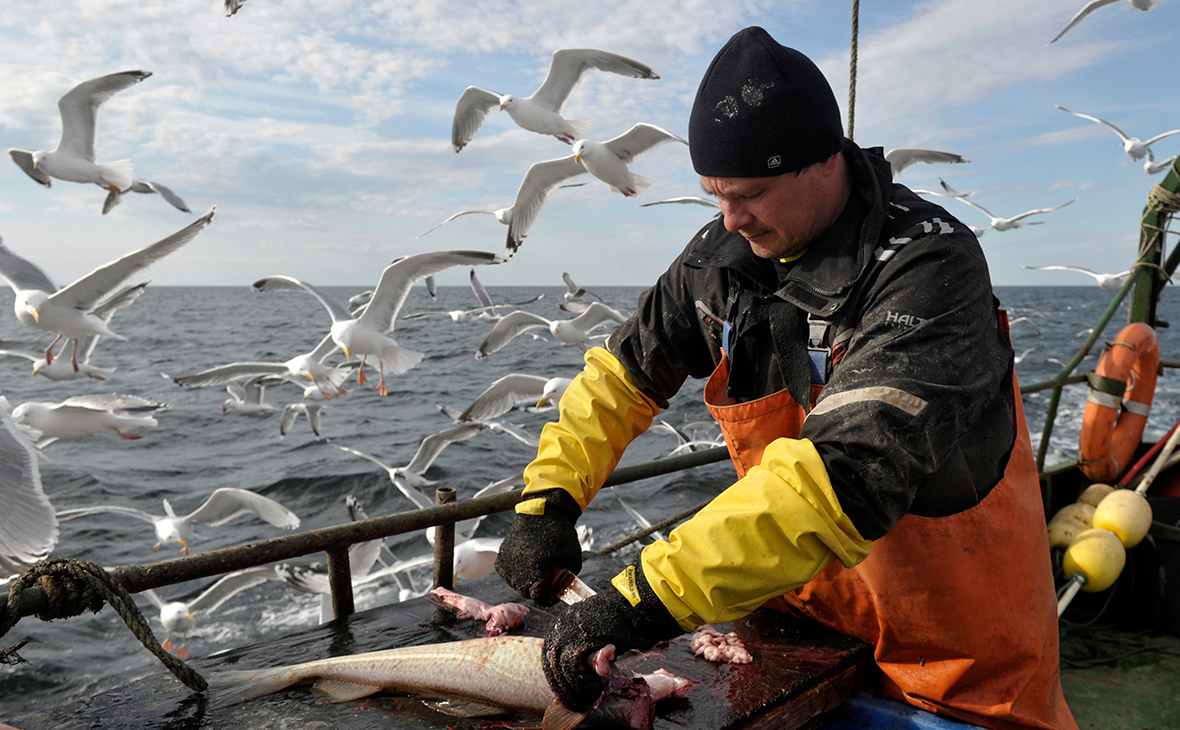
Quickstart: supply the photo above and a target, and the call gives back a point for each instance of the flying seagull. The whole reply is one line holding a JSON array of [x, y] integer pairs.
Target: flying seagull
[[85, 415], [574, 331], [145, 187], [70, 311], [179, 617], [73, 158], [1016, 221], [1105, 281], [1095, 4], [28, 525], [903, 158], [1133, 146], [541, 112], [608, 161]]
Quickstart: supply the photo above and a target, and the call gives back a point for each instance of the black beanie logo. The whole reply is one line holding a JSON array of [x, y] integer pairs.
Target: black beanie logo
[[774, 162]]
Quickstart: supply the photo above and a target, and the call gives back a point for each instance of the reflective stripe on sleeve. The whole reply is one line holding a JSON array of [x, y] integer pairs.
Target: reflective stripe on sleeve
[[895, 397]]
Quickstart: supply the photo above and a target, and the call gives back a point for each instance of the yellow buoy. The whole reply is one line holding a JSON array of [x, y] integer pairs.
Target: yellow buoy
[[1069, 522], [1126, 514], [1097, 554], [1095, 493]]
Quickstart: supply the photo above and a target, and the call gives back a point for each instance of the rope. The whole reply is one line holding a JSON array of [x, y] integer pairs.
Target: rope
[[72, 586], [654, 528], [1163, 200], [852, 66]]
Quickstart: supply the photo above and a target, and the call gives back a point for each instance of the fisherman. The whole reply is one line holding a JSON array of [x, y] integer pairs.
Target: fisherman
[[861, 373]]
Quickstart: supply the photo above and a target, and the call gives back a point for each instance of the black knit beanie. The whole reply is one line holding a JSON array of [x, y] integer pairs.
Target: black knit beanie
[[762, 109]]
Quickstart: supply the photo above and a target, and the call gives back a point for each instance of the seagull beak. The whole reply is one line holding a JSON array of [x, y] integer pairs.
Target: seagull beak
[[189, 616], [182, 543], [577, 158], [36, 164], [502, 105], [347, 356], [36, 315], [542, 402]]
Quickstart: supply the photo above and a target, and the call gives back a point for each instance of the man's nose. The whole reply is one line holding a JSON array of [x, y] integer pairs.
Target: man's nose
[[735, 214]]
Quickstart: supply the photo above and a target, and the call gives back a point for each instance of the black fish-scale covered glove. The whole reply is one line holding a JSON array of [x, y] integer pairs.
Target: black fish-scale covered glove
[[605, 618], [540, 547]]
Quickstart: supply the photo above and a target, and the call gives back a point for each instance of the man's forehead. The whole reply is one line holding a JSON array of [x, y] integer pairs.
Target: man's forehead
[[729, 186]]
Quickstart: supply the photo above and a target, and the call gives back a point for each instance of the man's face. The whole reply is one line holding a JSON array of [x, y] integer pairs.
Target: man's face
[[781, 215]]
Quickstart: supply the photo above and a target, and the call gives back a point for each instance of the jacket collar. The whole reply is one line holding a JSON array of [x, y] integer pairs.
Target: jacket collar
[[822, 279]]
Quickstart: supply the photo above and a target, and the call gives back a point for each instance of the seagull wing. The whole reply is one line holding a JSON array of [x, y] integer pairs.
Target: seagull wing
[[453, 217], [685, 200], [65, 515], [480, 292], [1078, 269], [1158, 137], [1103, 122], [1040, 210], [903, 158], [112, 402], [79, 110], [369, 457], [639, 140], [568, 66], [30, 356], [433, 445], [86, 292], [977, 206], [541, 179], [28, 526], [228, 586], [225, 373], [642, 521], [229, 502], [400, 276], [597, 314], [503, 394], [336, 310], [22, 273], [507, 329], [166, 193], [471, 109], [1081, 14], [419, 499], [237, 391], [24, 160], [107, 309], [302, 578], [504, 485]]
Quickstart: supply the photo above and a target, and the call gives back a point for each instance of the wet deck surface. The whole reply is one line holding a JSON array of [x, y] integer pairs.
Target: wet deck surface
[[800, 669]]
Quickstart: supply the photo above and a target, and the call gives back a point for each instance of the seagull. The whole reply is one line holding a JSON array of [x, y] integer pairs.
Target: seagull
[[1151, 167], [903, 158], [145, 186], [28, 525], [504, 215], [1027, 321], [685, 200], [640, 520], [86, 415], [1105, 281], [1016, 221], [365, 335], [574, 331], [608, 161], [1133, 146], [485, 312], [233, 6], [307, 368], [497, 427], [1095, 4], [573, 292], [1020, 358], [69, 311], [60, 369], [291, 411], [693, 440], [179, 617], [247, 397], [73, 158], [223, 505], [512, 390], [541, 112]]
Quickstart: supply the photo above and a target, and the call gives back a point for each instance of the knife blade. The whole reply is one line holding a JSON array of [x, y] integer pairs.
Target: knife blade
[[571, 589]]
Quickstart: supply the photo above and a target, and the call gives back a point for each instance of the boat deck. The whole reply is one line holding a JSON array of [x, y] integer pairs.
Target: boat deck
[[801, 670]]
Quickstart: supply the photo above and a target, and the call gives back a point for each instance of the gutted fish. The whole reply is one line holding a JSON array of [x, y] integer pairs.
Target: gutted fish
[[499, 619], [476, 677]]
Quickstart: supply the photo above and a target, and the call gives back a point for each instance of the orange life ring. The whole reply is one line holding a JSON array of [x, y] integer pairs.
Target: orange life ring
[[1113, 423]]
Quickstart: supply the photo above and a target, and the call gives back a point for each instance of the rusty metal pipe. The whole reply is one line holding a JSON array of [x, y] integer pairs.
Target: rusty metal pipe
[[340, 580], [444, 543]]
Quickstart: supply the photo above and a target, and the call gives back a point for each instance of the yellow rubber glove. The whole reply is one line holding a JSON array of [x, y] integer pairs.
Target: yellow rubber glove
[[601, 413], [771, 532]]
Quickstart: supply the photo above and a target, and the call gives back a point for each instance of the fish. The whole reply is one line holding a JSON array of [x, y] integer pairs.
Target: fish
[[471, 678], [498, 619]]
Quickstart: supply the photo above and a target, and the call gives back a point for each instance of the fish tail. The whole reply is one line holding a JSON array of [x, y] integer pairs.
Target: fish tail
[[238, 685]]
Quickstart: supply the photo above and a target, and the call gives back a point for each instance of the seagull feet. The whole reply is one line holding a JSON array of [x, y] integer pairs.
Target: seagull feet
[[182, 652], [565, 137], [127, 435], [167, 645], [360, 377], [381, 389], [628, 192], [74, 362], [96, 376]]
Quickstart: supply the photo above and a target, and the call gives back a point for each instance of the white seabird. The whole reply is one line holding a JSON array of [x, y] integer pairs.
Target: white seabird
[[608, 161], [903, 158], [313, 411], [513, 390], [179, 617], [1095, 4], [1136, 148], [145, 187], [74, 157], [574, 331], [85, 415], [28, 525], [541, 112], [1016, 221], [223, 505], [1105, 281], [685, 200], [248, 398], [69, 311], [366, 335]]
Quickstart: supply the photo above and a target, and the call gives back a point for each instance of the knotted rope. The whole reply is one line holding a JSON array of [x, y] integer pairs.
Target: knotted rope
[[72, 586], [852, 66]]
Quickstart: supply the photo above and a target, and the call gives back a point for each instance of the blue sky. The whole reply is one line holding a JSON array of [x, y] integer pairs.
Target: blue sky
[[320, 128]]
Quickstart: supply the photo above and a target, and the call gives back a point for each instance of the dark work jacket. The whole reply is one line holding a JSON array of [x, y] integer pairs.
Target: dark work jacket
[[917, 414]]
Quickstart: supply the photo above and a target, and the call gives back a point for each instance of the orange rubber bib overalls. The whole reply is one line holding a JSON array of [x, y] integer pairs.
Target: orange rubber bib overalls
[[963, 637]]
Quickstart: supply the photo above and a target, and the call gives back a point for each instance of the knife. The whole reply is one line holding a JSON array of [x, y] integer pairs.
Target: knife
[[571, 589]]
